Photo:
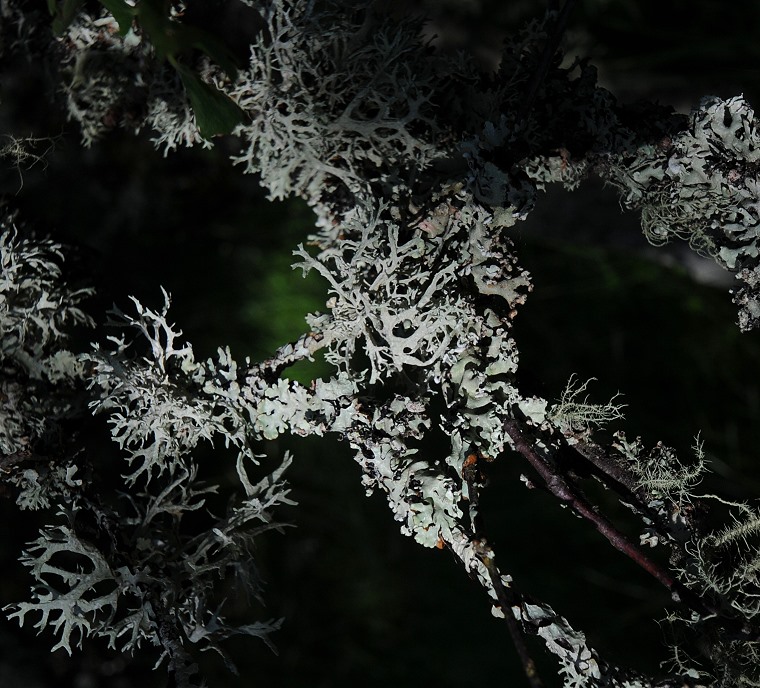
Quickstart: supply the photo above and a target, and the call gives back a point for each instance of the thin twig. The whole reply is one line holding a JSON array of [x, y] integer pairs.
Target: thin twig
[[505, 596], [7, 461], [616, 478], [598, 458], [561, 489], [507, 601]]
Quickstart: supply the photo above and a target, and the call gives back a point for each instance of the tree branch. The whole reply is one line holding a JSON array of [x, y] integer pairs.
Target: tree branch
[[507, 600], [716, 615], [561, 489], [505, 595]]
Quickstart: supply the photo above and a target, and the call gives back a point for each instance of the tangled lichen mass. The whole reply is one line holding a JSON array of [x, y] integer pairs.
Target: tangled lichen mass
[[417, 165]]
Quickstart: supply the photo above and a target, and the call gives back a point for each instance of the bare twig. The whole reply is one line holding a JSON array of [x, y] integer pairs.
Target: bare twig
[[567, 493], [717, 614], [626, 486], [599, 459], [505, 595], [507, 601]]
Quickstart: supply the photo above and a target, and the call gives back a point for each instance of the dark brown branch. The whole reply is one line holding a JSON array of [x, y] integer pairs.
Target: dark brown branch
[[507, 601], [505, 596], [721, 616], [7, 461], [470, 475], [717, 619], [561, 489], [599, 459], [621, 481]]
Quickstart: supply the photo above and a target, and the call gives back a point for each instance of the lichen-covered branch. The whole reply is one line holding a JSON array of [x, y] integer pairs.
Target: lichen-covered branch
[[417, 165]]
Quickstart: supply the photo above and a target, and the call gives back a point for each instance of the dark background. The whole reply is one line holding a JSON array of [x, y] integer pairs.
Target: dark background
[[363, 604]]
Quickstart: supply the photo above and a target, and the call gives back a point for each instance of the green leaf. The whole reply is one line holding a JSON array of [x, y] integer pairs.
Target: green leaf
[[122, 12], [214, 112], [170, 38], [63, 14], [193, 37], [163, 33]]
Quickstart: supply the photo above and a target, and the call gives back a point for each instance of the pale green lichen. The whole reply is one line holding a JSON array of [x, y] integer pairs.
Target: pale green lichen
[[576, 415], [700, 185]]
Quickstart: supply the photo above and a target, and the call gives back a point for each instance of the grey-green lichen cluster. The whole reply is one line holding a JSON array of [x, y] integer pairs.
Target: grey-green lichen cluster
[[112, 81], [332, 102], [701, 184], [416, 180], [37, 312], [145, 580]]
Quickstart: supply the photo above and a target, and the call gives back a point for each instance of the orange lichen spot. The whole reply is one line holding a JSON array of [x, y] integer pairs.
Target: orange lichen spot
[[471, 460], [440, 544]]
